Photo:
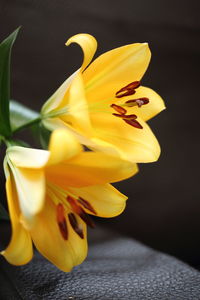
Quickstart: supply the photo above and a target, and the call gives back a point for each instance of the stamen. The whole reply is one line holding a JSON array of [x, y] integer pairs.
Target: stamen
[[75, 207], [80, 211], [119, 109], [133, 123], [87, 205], [74, 223], [139, 102], [61, 220], [128, 117], [86, 218], [127, 90]]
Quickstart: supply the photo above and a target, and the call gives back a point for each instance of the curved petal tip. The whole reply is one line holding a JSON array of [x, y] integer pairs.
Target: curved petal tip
[[88, 44]]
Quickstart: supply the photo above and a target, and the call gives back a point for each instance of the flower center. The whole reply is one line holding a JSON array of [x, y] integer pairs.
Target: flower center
[[121, 111]]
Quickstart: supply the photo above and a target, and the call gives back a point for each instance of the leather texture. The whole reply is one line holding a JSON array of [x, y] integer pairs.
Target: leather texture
[[116, 268]]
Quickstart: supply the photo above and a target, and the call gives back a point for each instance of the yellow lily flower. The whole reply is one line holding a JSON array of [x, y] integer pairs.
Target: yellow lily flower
[[51, 194], [104, 105]]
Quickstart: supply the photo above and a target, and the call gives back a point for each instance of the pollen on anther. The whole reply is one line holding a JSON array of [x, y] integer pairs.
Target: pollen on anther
[[86, 218], [126, 117], [139, 102], [76, 227], [133, 123], [128, 90], [61, 221], [86, 205], [80, 211], [119, 109]]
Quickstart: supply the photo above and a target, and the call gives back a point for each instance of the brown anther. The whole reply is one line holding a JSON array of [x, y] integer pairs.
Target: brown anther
[[127, 90], [87, 205], [128, 117], [139, 102], [86, 218], [61, 220], [133, 123], [74, 223], [75, 207], [80, 211], [119, 109]]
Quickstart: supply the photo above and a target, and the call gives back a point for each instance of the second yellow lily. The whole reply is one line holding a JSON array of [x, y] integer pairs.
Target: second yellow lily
[[50, 194]]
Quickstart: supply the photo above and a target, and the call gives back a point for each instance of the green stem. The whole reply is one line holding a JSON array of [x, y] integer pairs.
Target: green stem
[[28, 124], [9, 142]]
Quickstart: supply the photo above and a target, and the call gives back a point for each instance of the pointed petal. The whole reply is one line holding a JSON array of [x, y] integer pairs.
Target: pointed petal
[[78, 115], [27, 157], [89, 168], [115, 69], [106, 200], [154, 107], [133, 144], [54, 123], [88, 44], [30, 186], [75, 104], [65, 254], [19, 250], [63, 146]]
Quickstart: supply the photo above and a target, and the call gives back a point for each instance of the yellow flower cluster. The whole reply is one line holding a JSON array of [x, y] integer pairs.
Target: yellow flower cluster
[[51, 193]]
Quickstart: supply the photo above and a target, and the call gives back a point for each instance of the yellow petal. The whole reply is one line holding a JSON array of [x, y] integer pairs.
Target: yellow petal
[[77, 115], [135, 145], [65, 254], [105, 199], [89, 168], [58, 97], [54, 123], [19, 250], [30, 186], [115, 69], [63, 146], [154, 107], [88, 44], [27, 157]]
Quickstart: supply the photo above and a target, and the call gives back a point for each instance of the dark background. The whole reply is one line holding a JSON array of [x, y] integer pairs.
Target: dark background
[[163, 210]]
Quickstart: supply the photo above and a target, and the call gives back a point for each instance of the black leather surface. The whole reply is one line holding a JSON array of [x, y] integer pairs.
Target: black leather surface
[[116, 268]]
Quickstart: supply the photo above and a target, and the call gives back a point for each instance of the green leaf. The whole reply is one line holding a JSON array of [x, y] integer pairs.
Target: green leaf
[[20, 114], [3, 213], [5, 57]]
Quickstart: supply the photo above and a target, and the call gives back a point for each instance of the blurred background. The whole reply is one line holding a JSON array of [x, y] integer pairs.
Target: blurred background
[[163, 210]]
